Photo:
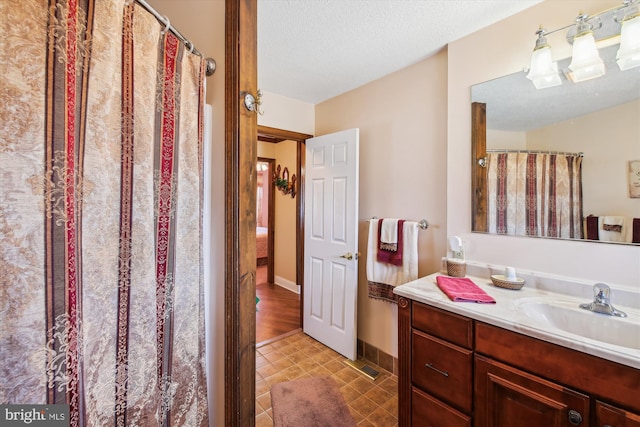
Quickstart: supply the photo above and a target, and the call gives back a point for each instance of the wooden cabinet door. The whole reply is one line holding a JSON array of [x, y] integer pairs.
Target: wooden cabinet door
[[506, 397], [610, 416]]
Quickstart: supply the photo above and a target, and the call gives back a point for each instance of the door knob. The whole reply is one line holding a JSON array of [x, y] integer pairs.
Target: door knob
[[348, 256]]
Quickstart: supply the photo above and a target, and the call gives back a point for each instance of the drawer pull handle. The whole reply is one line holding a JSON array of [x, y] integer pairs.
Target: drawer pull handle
[[430, 366]]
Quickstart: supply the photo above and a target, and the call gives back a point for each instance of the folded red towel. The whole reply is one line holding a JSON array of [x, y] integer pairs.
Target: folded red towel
[[463, 289]]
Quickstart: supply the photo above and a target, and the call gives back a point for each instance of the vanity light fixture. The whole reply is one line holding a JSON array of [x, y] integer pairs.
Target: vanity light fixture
[[544, 70], [585, 61], [628, 55], [622, 22]]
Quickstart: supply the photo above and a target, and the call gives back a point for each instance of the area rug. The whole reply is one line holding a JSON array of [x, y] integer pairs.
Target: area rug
[[309, 402]]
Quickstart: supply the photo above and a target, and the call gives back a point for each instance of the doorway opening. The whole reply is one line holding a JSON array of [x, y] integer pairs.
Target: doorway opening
[[279, 272]]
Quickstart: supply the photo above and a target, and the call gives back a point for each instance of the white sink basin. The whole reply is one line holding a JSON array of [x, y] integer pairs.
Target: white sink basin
[[568, 317]]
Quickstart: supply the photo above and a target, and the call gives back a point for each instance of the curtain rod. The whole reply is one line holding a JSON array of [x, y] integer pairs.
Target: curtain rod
[[211, 63], [562, 153]]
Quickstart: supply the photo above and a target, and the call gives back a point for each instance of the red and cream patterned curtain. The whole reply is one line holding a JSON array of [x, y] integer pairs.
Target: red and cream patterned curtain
[[101, 297], [535, 194]]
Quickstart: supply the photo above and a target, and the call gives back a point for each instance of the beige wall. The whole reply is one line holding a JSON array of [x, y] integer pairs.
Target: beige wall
[[607, 149], [500, 49], [206, 30], [402, 122], [285, 113], [285, 155], [285, 224]]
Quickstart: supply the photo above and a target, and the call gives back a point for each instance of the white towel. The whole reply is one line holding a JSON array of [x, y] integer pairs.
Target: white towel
[[389, 234], [388, 274], [624, 235]]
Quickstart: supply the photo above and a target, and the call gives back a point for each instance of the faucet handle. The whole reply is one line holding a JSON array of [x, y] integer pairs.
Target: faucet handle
[[601, 292]]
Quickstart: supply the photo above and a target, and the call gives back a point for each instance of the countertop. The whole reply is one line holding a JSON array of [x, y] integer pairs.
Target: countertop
[[507, 313]]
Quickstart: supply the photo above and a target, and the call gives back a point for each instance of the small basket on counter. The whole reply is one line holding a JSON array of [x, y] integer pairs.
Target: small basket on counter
[[456, 267], [503, 282]]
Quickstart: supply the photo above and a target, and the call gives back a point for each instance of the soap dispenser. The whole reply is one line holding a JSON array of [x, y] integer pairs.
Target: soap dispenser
[[455, 244]]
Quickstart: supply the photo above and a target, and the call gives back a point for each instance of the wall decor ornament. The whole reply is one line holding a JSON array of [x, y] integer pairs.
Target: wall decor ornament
[[283, 183]]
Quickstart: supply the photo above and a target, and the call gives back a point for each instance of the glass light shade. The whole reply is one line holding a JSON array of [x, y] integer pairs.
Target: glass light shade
[[628, 55], [543, 71], [585, 61]]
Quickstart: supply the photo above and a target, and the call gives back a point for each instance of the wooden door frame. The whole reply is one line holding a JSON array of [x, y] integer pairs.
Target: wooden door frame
[[274, 135], [241, 51], [240, 212]]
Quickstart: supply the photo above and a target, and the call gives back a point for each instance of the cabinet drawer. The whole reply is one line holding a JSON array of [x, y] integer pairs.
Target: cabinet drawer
[[442, 324], [426, 411], [607, 415], [443, 370]]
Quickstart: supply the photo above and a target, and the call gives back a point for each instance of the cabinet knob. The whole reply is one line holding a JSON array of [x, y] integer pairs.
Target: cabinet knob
[[574, 417]]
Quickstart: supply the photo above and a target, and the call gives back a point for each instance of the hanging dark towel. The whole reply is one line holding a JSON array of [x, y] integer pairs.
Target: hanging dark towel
[[391, 257]]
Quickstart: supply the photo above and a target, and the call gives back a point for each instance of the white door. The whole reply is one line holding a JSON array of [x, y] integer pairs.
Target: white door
[[331, 240]]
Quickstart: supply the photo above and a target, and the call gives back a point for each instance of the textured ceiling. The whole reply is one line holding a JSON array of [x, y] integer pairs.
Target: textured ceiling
[[313, 50]]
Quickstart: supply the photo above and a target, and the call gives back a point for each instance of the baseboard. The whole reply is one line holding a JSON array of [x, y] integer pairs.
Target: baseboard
[[378, 357], [287, 284]]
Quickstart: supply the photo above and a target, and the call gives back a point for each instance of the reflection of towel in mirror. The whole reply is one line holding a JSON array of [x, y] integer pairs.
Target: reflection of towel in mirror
[[385, 253], [383, 277], [614, 229]]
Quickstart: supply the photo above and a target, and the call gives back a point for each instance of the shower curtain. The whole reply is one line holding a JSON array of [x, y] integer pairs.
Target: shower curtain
[[535, 194], [101, 299]]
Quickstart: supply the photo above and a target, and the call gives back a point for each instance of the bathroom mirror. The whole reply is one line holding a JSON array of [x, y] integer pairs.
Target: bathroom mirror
[[599, 118]]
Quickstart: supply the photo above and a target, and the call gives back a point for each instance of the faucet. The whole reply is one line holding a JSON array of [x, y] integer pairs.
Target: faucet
[[602, 301]]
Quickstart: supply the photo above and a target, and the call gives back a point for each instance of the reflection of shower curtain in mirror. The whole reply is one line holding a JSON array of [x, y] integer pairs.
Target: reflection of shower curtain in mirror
[[535, 194], [102, 293]]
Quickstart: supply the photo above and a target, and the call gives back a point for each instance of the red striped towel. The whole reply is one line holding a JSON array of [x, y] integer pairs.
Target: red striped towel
[[463, 289]]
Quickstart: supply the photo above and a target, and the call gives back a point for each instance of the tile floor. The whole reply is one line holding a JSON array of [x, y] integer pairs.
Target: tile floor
[[372, 403]]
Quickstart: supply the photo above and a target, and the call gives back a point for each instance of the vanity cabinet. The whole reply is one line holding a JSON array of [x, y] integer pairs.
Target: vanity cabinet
[[456, 371], [436, 371]]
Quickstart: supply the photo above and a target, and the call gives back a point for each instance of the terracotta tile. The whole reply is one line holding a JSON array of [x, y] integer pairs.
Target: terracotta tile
[[267, 370], [320, 371], [390, 385], [260, 361], [298, 357], [274, 356], [381, 418], [357, 416], [364, 405], [276, 378], [264, 400], [262, 387], [362, 384], [347, 374], [293, 372], [264, 420], [349, 393], [308, 364], [385, 361], [365, 423], [378, 395], [391, 406], [371, 353], [283, 363], [334, 365]]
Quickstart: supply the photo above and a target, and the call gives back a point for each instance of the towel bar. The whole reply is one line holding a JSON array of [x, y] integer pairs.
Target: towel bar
[[423, 224]]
